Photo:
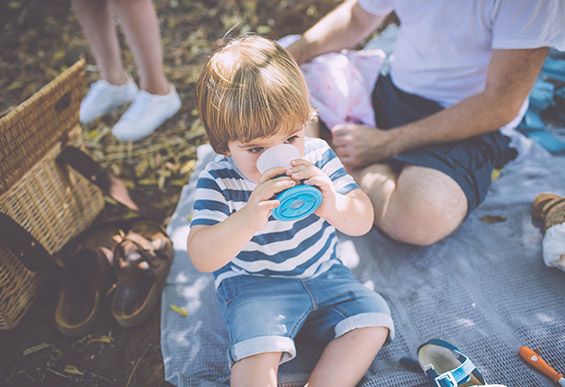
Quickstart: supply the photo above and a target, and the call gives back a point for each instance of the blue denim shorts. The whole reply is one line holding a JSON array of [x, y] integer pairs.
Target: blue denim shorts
[[264, 314]]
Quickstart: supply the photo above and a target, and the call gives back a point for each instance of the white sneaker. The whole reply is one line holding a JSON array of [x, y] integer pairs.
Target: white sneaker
[[103, 97], [146, 113]]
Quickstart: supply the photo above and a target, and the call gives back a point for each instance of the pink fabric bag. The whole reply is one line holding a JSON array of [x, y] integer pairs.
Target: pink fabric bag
[[341, 84]]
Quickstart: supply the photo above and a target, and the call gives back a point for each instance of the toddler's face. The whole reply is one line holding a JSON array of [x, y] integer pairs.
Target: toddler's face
[[245, 155]]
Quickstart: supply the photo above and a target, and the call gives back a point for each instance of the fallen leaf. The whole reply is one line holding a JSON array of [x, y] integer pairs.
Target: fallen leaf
[[179, 310], [188, 167], [161, 181], [178, 182], [490, 219], [101, 339], [141, 167], [58, 55], [36, 348], [14, 85], [147, 182], [73, 370], [263, 30]]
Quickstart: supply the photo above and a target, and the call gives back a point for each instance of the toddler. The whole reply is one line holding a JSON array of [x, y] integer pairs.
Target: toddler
[[274, 278]]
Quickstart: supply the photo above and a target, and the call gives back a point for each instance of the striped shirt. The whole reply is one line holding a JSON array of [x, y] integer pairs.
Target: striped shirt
[[304, 248]]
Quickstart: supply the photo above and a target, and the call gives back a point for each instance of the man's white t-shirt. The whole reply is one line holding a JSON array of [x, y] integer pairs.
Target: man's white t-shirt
[[444, 47]]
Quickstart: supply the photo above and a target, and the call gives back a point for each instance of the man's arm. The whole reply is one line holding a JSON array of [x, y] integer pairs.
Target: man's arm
[[344, 27], [511, 75]]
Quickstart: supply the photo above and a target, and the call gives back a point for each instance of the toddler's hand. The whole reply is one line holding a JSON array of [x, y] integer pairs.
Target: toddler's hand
[[305, 170], [260, 203]]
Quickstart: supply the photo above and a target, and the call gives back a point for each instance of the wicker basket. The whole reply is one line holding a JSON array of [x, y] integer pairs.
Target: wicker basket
[[54, 203]]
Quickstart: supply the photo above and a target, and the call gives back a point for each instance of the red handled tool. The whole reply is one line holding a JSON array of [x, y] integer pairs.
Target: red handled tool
[[534, 359]]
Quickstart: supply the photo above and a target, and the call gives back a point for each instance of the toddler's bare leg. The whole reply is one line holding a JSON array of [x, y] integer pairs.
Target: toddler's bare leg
[[258, 370], [347, 358]]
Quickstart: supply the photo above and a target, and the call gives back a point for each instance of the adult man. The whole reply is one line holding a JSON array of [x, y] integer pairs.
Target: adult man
[[461, 70]]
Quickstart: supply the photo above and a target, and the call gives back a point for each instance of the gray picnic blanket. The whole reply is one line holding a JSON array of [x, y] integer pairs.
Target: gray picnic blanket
[[484, 289]]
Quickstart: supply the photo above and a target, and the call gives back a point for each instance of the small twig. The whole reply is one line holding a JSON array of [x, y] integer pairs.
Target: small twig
[[25, 12], [14, 373], [56, 373], [100, 376], [134, 368]]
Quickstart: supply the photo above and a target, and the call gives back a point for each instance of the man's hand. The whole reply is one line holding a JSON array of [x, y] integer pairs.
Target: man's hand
[[305, 170], [261, 203], [359, 145]]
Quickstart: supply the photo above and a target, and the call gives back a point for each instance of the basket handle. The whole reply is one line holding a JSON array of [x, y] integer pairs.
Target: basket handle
[[28, 249], [97, 175]]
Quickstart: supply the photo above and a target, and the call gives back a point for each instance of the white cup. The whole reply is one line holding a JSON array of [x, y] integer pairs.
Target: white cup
[[277, 156]]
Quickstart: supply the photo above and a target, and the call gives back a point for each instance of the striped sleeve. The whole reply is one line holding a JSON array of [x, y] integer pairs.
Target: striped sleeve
[[331, 165], [210, 205]]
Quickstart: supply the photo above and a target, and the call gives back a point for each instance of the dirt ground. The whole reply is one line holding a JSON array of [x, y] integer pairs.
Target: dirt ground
[[38, 40]]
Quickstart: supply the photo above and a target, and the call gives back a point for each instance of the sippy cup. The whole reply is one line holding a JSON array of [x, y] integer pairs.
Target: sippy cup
[[296, 202]]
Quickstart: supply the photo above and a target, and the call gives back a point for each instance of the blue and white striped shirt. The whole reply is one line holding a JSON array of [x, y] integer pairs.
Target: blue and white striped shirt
[[304, 248]]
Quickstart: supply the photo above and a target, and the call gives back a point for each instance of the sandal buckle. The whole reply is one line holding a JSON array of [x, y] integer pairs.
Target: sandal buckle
[[446, 380]]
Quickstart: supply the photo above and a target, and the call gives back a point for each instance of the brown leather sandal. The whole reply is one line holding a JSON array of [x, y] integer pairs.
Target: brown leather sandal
[[548, 210], [85, 280], [142, 262]]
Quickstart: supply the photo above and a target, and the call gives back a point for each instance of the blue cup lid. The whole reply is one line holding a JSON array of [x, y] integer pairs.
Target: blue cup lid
[[297, 202]]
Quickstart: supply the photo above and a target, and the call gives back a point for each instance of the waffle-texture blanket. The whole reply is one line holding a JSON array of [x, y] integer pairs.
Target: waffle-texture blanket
[[484, 289]]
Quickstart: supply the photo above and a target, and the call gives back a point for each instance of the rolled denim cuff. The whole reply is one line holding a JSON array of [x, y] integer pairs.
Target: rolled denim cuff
[[365, 320], [263, 344]]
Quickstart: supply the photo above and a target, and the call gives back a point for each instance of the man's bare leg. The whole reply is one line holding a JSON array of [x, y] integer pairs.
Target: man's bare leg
[[420, 206]]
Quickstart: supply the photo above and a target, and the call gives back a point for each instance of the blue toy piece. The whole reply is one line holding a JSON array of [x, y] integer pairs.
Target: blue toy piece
[[297, 202]]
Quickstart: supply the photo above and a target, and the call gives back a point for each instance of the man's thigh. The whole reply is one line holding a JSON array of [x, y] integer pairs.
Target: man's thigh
[[469, 163]]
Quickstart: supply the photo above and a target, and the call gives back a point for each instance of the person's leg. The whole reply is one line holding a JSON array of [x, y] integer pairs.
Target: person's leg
[[262, 315], [141, 28], [430, 190], [354, 320], [346, 359], [420, 206], [95, 18], [258, 370]]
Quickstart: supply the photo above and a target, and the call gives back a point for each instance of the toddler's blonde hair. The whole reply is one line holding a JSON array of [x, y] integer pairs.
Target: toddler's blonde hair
[[251, 88]]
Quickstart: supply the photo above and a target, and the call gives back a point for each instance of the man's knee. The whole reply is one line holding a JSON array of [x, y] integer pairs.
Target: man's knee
[[425, 208], [409, 228]]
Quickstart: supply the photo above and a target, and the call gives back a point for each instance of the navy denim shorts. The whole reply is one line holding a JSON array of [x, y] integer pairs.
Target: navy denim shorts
[[264, 314], [469, 162]]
